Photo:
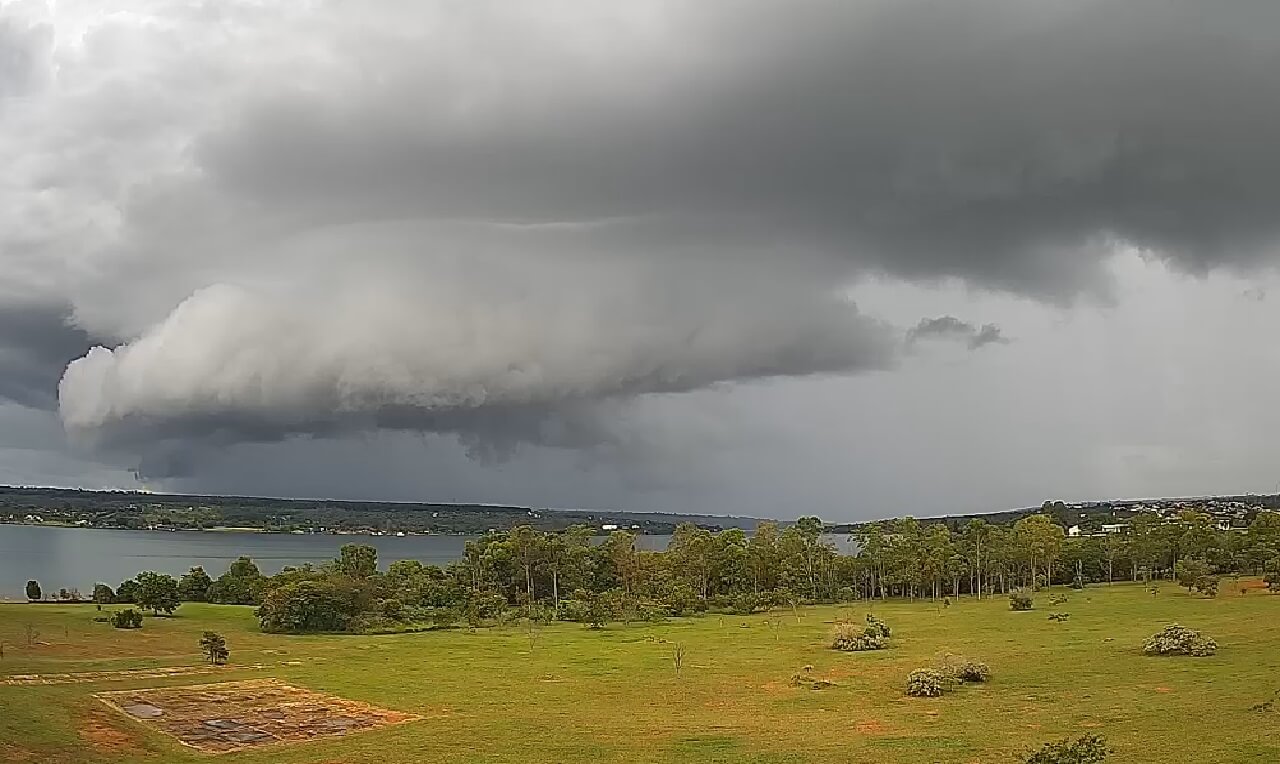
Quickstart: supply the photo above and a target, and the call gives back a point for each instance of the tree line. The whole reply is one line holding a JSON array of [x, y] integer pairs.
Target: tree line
[[534, 575]]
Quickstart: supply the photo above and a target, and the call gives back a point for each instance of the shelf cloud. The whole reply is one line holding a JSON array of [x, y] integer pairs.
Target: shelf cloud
[[247, 222]]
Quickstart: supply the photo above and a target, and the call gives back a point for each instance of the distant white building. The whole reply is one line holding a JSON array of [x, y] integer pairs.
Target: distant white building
[[1073, 531]]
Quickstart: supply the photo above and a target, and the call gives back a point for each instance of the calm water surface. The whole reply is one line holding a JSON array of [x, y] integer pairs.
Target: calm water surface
[[80, 557]]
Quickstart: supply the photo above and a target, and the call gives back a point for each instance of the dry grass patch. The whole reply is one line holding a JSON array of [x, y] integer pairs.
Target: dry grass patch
[[97, 730], [81, 677], [232, 716]]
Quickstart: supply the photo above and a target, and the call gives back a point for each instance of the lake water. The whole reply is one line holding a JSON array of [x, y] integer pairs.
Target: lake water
[[80, 557]]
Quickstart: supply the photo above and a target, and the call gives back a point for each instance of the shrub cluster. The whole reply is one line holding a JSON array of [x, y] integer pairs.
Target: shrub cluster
[[875, 624], [127, 619], [1020, 599], [926, 683], [1059, 616], [1089, 749], [852, 638], [1179, 640], [953, 670], [968, 671]]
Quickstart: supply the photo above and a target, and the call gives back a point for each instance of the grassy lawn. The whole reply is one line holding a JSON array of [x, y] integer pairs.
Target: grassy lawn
[[578, 695]]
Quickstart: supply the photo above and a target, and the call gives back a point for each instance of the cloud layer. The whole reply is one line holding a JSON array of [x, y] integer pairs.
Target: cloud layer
[[952, 328], [488, 220]]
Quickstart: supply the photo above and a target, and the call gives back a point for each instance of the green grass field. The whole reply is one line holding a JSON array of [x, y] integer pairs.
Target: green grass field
[[579, 695]]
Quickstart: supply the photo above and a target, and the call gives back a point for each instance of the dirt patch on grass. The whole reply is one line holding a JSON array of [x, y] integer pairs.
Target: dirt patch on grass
[[14, 753], [96, 730], [233, 716], [871, 727]]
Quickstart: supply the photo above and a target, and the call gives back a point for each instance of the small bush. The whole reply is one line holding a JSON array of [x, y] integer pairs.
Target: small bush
[[850, 638], [878, 626], [926, 683], [1089, 749], [1179, 640], [127, 619], [975, 672], [961, 670], [1059, 616], [1020, 599], [806, 679]]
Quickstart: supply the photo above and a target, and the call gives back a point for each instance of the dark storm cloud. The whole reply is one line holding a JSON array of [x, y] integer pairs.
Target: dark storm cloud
[[1005, 142], [473, 218], [952, 328], [36, 344]]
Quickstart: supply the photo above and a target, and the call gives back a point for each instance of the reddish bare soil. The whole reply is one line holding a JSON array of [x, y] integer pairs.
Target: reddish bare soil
[[232, 716]]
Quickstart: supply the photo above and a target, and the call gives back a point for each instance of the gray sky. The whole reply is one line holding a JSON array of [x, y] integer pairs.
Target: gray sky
[[847, 257]]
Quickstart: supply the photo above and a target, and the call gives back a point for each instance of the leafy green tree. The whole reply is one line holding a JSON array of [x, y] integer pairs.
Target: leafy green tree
[[619, 555], [326, 605], [103, 595], [691, 554], [1199, 536], [158, 592], [357, 561], [33, 590], [214, 647], [194, 586], [762, 558], [564, 559], [1040, 541], [936, 551], [974, 540], [528, 548], [1146, 545], [1272, 577], [242, 584], [1263, 539], [1114, 546], [127, 592], [1189, 572], [803, 554]]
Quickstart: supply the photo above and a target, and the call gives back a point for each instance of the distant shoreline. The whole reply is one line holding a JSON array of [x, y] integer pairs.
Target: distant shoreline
[[224, 530]]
